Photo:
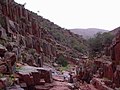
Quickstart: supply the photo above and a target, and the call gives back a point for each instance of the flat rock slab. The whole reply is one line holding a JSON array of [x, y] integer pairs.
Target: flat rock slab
[[57, 83], [17, 87], [58, 78], [38, 87], [60, 88], [87, 87]]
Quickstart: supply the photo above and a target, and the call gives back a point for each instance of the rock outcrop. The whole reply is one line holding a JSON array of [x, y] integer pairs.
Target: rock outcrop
[[24, 41]]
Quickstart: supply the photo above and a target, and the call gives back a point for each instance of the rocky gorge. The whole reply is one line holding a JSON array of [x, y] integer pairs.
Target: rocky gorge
[[30, 48]]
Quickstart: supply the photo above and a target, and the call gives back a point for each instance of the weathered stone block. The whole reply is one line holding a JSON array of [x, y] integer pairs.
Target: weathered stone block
[[3, 34], [28, 40], [2, 50], [3, 68]]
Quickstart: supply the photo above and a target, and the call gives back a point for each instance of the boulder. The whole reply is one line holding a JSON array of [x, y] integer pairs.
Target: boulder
[[99, 84], [10, 59], [2, 85], [116, 78], [12, 26], [3, 34], [3, 68], [2, 50]]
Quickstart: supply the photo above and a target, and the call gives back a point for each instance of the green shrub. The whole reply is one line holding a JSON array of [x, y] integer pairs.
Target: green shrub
[[62, 61], [96, 44]]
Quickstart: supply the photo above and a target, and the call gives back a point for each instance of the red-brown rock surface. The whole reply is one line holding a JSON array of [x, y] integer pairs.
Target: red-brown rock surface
[[23, 40]]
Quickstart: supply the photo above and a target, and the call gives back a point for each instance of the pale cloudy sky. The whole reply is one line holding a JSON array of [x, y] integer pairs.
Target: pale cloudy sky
[[104, 14]]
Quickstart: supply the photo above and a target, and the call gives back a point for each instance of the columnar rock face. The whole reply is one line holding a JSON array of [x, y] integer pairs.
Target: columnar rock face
[[115, 49], [22, 27], [21, 32], [115, 55]]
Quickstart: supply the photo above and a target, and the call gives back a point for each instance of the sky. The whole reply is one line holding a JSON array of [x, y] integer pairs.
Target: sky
[[69, 14]]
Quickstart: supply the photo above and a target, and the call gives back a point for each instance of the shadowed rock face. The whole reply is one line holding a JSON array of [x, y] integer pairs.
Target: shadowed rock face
[[115, 55], [115, 48]]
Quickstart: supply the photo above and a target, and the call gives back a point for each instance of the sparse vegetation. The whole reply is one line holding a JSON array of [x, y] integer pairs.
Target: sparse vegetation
[[63, 36], [62, 61], [96, 44], [65, 68]]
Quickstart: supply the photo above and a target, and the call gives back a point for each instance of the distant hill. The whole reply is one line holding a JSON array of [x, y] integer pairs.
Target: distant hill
[[87, 33]]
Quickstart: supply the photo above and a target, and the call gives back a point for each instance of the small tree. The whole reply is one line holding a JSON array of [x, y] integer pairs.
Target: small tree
[[107, 38], [62, 61]]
